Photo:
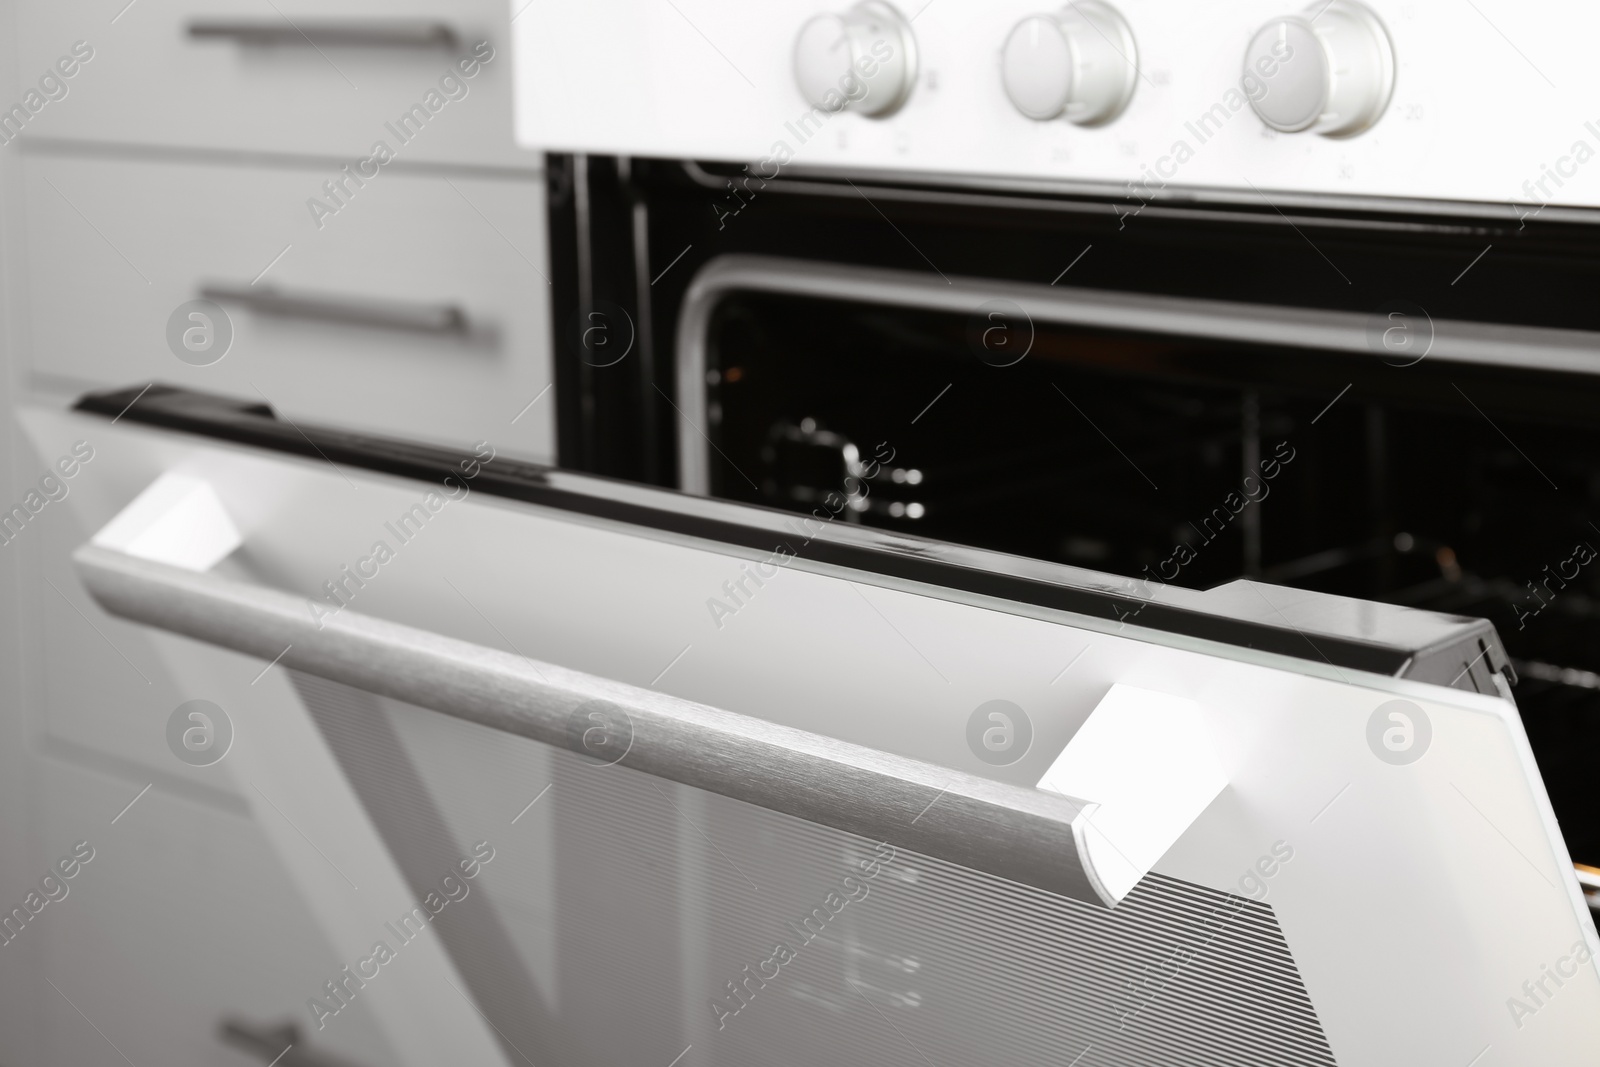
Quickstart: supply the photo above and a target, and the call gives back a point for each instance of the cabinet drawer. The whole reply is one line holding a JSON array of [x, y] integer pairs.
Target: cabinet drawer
[[296, 76], [420, 309], [158, 988]]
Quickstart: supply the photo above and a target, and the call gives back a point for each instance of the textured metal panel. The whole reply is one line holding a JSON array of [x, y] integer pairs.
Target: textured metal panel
[[659, 896]]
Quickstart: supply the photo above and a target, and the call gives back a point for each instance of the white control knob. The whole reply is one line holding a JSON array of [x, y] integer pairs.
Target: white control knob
[[864, 59], [1329, 69], [1080, 62]]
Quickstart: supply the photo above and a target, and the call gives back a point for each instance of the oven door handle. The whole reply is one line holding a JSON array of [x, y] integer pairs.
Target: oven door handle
[[1014, 832]]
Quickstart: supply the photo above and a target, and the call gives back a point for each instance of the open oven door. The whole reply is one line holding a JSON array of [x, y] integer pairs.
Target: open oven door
[[579, 772]]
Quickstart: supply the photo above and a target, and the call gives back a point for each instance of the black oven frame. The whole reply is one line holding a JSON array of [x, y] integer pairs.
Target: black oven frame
[[628, 235]]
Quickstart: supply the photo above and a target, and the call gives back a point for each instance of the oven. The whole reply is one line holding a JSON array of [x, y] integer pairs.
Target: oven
[[1117, 378], [919, 535], [1159, 332]]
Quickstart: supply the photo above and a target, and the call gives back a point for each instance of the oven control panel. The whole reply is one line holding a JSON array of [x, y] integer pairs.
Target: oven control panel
[[1494, 101]]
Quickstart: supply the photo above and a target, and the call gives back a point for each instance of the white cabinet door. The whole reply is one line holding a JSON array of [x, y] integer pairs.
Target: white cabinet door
[[429, 79], [184, 918], [420, 311]]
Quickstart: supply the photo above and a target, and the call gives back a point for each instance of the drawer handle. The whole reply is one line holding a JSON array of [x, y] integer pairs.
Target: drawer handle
[[352, 310], [1011, 831], [371, 33], [278, 1045]]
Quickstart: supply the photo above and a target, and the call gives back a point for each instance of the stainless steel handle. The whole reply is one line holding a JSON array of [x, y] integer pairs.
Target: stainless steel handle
[[353, 310], [1014, 832], [339, 33], [280, 1046]]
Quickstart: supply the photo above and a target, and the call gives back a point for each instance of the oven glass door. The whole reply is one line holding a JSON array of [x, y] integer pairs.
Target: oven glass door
[[781, 829]]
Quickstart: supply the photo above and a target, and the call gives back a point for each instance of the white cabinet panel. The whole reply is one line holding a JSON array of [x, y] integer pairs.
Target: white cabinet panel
[[151, 80], [183, 917], [116, 247]]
